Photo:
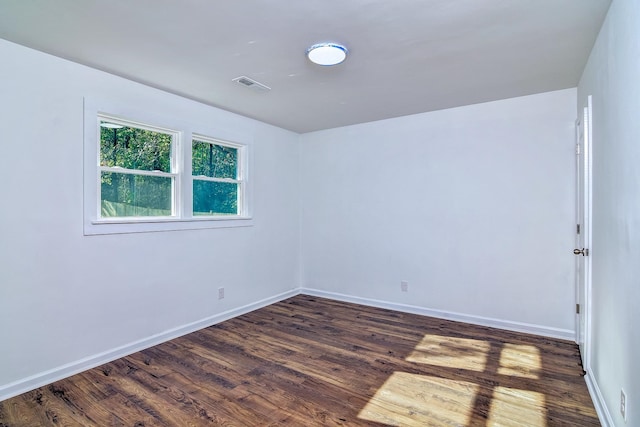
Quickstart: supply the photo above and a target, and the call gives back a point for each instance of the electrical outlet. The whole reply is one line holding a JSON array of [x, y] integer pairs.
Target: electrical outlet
[[623, 404], [404, 286], [220, 293]]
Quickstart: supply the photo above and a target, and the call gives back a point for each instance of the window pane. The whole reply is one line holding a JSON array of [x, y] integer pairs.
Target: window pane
[[133, 148], [214, 161], [215, 198], [124, 195]]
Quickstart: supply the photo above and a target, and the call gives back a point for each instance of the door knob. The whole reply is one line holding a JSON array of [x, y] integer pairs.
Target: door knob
[[579, 251]]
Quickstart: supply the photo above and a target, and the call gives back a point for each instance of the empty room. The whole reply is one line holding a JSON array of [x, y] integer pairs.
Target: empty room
[[319, 213]]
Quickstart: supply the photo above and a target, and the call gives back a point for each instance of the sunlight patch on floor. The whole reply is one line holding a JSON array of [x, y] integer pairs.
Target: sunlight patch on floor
[[515, 407], [418, 400], [520, 361], [451, 352]]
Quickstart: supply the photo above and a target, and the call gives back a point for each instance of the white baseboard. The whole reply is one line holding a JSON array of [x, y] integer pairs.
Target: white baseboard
[[546, 331], [47, 377], [598, 401]]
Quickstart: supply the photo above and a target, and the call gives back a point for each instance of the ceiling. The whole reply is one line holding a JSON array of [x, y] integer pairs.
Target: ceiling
[[405, 56]]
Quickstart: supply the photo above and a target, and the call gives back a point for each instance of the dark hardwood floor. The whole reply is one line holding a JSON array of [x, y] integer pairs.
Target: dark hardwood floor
[[309, 361]]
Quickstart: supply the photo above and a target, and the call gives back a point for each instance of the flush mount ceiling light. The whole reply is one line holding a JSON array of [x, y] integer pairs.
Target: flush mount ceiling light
[[327, 53]]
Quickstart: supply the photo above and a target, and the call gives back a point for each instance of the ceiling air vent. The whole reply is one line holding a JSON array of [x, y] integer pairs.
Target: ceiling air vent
[[251, 84]]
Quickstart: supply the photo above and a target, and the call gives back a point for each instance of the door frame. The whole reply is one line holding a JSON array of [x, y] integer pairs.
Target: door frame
[[584, 286]]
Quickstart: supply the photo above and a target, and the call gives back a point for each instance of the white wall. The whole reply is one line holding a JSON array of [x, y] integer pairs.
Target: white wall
[[64, 296], [473, 206], [612, 77]]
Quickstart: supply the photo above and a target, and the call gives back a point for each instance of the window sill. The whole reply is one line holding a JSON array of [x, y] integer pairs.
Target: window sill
[[150, 225]]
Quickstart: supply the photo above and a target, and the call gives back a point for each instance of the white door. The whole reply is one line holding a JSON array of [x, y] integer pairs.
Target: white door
[[583, 231]]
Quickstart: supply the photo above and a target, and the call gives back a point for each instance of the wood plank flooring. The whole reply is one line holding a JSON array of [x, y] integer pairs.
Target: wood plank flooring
[[309, 361]]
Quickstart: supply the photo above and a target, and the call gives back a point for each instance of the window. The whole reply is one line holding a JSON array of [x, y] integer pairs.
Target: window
[[144, 172], [216, 167], [138, 170]]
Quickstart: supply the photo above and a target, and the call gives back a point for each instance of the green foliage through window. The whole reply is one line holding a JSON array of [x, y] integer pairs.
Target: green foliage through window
[[215, 170], [127, 157], [135, 195], [134, 148], [214, 161], [215, 198]]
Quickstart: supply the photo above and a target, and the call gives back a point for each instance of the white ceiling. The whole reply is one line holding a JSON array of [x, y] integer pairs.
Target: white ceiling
[[406, 56]]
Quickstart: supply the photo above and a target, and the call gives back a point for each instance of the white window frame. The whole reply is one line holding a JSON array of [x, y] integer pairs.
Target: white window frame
[[241, 173], [175, 174], [184, 131]]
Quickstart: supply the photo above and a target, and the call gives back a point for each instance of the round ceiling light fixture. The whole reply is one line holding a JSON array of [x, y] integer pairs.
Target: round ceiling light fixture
[[327, 54]]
